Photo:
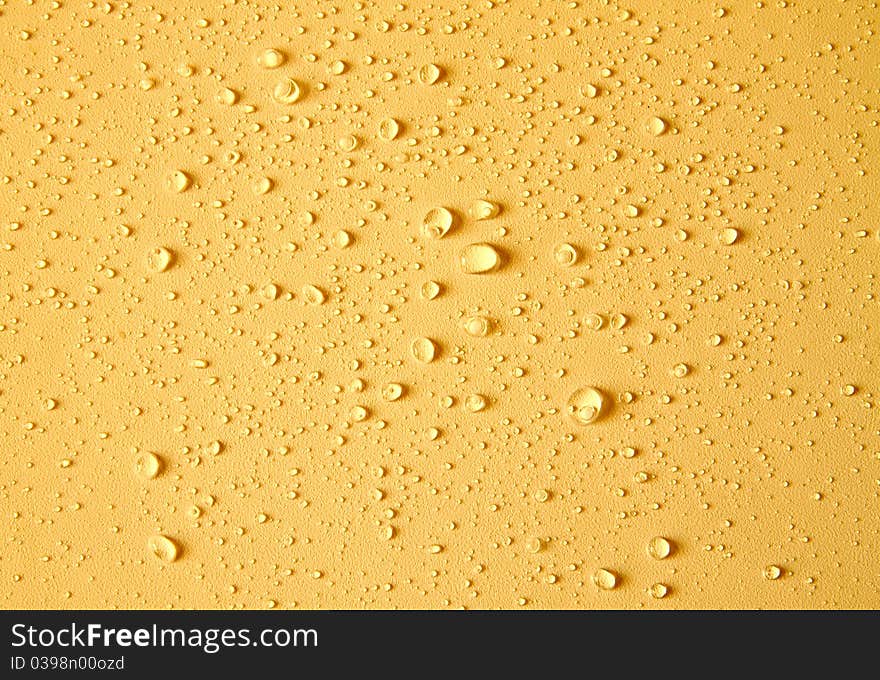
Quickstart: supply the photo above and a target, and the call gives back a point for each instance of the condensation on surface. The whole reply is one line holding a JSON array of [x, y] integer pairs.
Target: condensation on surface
[[439, 305]]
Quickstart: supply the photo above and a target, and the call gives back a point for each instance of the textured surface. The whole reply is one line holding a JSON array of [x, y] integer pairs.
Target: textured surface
[[250, 355]]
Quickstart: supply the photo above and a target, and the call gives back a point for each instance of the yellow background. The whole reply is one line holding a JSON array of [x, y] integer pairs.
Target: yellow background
[[284, 470]]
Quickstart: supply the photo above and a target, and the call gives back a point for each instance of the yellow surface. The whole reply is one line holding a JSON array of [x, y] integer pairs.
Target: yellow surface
[[205, 261]]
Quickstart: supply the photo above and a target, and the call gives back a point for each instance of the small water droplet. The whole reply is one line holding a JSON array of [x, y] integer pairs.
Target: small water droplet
[[227, 96], [348, 143], [262, 186], [341, 239], [659, 590], [680, 370]]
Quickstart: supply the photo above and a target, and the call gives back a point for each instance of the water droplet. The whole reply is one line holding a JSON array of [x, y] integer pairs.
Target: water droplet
[[475, 402], [534, 544], [313, 295], [389, 128], [359, 413], [271, 58], [658, 591], [392, 391], [423, 350], [479, 258], [659, 548], [772, 572], [348, 143], [483, 210], [618, 321], [477, 326], [262, 186], [341, 239], [178, 181], [227, 96], [585, 405], [594, 322], [147, 465], [437, 222], [286, 91], [565, 254], [656, 126], [430, 290], [680, 370], [163, 547], [159, 259], [429, 74], [728, 236], [605, 579]]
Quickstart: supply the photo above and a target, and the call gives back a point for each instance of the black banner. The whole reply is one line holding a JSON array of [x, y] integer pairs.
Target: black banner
[[403, 644]]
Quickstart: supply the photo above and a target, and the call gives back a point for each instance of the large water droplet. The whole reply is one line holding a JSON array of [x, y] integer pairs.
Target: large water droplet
[[313, 295], [605, 579], [728, 236], [147, 465], [483, 210], [429, 74], [585, 405], [389, 128], [159, 259], [286, 91], [163, 547], [437, 222], [655, 125], [423, 350], [477, 326], [178, 181], [659, 548], [772, 572], [271, 58], [392, 391], [565, 254], [479, 258]]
